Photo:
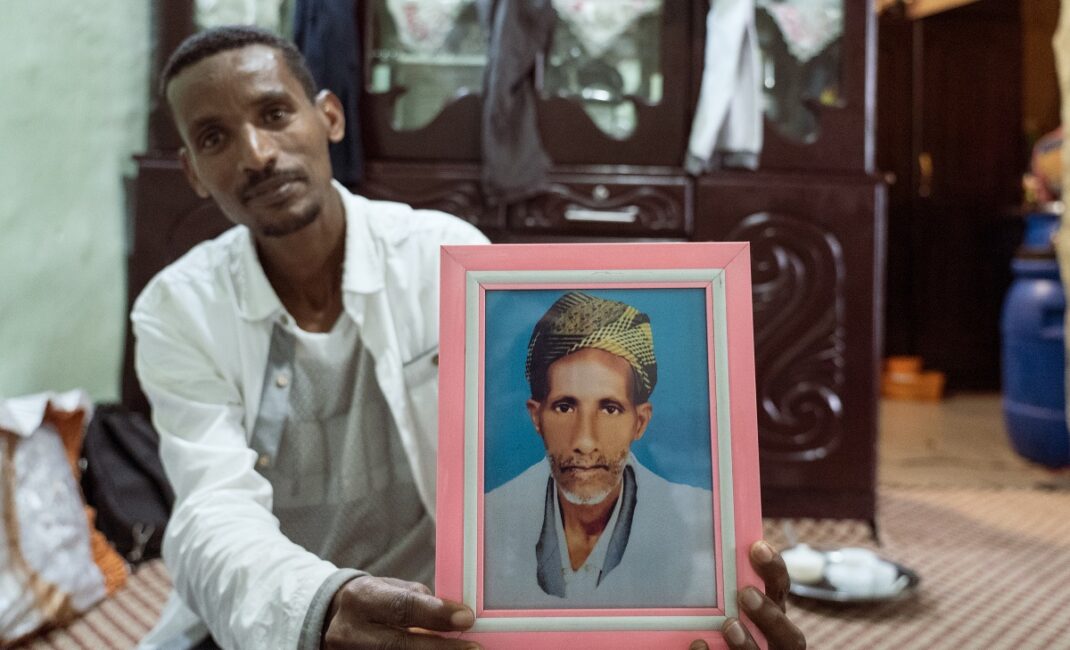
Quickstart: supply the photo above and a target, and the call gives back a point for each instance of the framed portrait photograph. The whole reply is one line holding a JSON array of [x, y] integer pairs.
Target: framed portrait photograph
[[598, 479]]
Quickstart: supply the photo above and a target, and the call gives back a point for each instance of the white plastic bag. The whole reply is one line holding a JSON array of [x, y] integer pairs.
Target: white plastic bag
[[47, 574]]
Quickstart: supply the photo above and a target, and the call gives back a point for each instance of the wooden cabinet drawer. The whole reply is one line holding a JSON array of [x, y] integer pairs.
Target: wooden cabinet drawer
[[589, 204]]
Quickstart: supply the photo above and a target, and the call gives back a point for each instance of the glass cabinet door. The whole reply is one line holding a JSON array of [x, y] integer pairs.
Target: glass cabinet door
[[613, 87], [606, 55], [801, 69], [429, 52]]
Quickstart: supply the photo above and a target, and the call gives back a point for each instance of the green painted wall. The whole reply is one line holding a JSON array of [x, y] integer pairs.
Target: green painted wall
[[73, 109]]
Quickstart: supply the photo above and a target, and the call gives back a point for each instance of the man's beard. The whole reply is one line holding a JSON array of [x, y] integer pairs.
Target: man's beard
[[292, 225], [271, 177], [594, 490]]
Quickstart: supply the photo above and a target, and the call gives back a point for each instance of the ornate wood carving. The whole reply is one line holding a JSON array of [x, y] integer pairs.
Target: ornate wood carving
[[460, 198], [798, 276]]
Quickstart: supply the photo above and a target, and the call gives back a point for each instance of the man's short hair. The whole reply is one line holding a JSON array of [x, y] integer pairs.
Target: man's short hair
[[577, 321], [204, 44]]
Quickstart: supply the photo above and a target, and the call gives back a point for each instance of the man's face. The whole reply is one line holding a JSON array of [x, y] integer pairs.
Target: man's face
[[254, 141], [588, 422]]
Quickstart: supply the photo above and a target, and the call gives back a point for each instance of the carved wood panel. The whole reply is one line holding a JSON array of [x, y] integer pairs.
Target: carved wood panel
[[800, 342], [451, 189], [462, 199], [817, 269]]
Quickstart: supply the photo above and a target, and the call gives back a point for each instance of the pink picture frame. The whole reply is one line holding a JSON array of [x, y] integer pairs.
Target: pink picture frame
[[699, 305]]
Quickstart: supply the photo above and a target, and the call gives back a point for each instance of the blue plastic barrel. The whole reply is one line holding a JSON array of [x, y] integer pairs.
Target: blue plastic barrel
[[1034, 370]]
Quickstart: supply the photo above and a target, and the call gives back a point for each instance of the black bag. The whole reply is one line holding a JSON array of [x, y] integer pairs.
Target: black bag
[[123, 479]]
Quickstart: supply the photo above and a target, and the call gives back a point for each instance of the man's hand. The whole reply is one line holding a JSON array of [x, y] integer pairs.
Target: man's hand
[[767, 611], [369, 612]]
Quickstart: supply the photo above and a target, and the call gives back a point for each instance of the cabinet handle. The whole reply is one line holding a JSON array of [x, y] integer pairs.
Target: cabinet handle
[[925, 174], [627, 214]]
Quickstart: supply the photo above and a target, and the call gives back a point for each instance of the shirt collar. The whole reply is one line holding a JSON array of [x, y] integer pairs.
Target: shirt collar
[[551, 550], [362, 271]]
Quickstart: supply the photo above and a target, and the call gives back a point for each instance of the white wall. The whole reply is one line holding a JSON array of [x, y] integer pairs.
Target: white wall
[[73, 109]]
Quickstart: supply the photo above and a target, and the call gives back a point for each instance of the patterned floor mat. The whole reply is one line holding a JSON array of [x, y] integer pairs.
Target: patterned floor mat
[[994, 564]]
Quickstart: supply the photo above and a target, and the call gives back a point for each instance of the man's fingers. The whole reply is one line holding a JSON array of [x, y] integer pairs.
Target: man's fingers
[[766, 610], [772, 570], [737, 636], [405, 584], [383, 636], [397, 606], [771, 620]]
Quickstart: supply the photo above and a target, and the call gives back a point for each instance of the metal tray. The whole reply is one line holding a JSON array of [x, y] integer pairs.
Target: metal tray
[[907, 582]]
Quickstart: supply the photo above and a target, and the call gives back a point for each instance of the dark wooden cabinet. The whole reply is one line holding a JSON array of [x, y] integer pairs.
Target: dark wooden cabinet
[[814, 214]]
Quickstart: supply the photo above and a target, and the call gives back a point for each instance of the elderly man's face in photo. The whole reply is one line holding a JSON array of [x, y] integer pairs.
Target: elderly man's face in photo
[[254, 141], [588, 422]]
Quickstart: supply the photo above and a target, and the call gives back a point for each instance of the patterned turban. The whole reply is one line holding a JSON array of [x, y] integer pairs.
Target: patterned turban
[[577, 321]]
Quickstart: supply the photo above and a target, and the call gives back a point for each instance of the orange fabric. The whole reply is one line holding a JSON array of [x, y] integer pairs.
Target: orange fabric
[[71, 428], [111, 564], [52, 604]]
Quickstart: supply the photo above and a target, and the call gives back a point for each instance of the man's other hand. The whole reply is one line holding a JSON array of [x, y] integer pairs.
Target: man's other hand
[[766, 610], [369, 612]]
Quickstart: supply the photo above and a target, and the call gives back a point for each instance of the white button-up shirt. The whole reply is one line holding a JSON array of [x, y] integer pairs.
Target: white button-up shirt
[[203, 327]]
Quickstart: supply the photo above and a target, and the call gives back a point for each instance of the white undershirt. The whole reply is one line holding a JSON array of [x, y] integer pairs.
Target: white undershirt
[[327, 355]]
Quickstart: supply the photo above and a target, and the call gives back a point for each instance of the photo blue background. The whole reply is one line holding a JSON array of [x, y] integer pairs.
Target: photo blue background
[[676, 444]]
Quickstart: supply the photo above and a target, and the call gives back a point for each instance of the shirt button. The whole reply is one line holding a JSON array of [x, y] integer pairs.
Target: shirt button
[[263, 461], [282, 380]]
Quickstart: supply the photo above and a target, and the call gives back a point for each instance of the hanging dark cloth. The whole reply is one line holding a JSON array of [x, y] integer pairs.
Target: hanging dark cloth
[[514, 162], [326, 33]]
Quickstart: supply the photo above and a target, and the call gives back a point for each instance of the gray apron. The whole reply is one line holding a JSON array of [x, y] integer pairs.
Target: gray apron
[[342, 486]]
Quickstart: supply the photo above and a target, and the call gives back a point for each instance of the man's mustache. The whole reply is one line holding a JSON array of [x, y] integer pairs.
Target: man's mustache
[[265, 181], [577, 462]]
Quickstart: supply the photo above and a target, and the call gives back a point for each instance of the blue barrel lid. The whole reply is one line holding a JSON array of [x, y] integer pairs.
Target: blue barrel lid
[[1040, 228]]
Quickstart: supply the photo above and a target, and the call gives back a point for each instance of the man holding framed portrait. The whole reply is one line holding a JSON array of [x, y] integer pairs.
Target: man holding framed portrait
[[219, 336]]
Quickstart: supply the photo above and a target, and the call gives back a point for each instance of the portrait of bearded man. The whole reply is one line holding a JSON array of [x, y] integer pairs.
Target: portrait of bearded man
[[589, 525]]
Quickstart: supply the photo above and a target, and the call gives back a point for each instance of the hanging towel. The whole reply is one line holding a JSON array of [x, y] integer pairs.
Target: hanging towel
[[599, 23], [808, 26], [514, 162], [727, 129], [325, 32], [424, 25], [267, 14]]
